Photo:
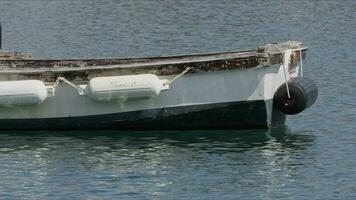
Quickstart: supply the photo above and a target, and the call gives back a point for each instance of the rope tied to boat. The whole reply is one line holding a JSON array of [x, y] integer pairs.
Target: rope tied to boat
[[81, 91], [179, 75], [284, 68], [64, 80], [301, 62]]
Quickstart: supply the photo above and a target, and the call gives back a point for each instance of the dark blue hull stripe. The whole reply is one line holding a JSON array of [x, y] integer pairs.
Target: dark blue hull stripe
[[246, 114]]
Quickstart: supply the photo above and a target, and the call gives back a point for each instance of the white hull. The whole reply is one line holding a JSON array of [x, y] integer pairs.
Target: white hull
[[189, 94]]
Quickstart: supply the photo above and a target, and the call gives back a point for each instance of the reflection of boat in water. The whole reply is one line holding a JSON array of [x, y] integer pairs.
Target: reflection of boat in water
[[214, 141], [239, 89]]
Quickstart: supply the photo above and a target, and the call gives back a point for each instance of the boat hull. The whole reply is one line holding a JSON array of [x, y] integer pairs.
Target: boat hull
[[216, 100], [212, 91], [243, 114]]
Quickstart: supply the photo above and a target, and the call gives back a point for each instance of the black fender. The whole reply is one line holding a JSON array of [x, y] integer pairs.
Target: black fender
[[303, 94]]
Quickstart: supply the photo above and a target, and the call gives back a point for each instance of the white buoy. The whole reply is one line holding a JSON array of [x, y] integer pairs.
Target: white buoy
[[26, 92], [126, 87]]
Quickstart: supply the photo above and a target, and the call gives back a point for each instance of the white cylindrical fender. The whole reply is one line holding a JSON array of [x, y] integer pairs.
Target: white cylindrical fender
[[26, 92], [125, 87]]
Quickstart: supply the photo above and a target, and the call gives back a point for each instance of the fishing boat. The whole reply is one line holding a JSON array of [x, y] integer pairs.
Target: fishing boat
[[237, 89]]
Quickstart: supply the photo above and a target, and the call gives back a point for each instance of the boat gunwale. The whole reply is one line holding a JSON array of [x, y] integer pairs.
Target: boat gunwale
[[84, 69]]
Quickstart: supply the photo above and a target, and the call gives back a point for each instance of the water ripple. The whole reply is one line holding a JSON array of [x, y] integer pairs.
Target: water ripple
[[313, 157]]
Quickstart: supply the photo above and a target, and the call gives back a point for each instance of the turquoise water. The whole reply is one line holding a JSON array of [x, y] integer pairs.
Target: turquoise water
[[312, 157]]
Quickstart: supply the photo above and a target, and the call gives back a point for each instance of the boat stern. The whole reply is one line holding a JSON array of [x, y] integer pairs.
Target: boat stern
[[287, 90]]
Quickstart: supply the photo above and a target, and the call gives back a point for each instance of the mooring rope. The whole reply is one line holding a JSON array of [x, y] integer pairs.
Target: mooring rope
[[301, 62], [284, 69]]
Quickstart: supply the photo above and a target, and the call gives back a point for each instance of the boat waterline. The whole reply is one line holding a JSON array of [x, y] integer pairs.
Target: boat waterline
[[219, 97]]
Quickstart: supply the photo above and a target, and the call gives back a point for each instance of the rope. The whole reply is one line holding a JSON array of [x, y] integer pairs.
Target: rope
[[284, 69], [179, 75], [81, 90], [62, 79], [301, 62]]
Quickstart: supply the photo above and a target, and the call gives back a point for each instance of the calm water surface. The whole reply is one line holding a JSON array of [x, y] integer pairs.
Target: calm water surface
[[312, 157]]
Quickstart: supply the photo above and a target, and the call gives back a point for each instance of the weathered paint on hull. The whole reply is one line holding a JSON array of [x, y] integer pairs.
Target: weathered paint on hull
[[244, 114]]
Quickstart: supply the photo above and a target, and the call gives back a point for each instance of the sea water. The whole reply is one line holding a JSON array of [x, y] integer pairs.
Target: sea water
[[312, 157]]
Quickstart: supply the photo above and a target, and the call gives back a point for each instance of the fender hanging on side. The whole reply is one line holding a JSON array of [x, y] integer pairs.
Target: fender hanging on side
[[25, 92], [126, 87], [303, 94]]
